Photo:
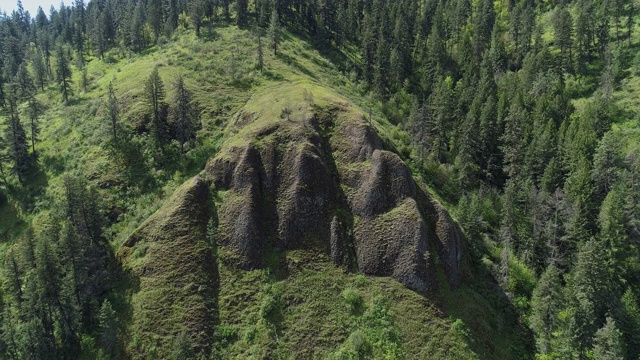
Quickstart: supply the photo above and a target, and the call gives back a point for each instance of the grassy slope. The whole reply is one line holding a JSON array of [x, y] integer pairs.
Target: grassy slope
[[316, 320]]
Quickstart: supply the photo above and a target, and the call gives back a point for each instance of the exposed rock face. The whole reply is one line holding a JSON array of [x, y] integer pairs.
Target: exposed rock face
[[383, 186], [341, 193], [282, 194], [450, 245], [241, 218], [173, 271]]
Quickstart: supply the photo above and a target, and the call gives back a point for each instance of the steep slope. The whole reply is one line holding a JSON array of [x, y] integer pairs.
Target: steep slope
[[174, 275], [292, 193]]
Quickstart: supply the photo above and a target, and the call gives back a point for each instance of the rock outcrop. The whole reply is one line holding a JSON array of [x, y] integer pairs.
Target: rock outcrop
[[172, 271], [329, 184], [326, 183]]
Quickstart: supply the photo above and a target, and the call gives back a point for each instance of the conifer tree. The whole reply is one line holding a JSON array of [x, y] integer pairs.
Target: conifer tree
[[197, 14], [154, 98], [39, 69], [185, 117], [34, 110], [608, 343], [274, 30], [63, 72], [546, 304], [113, 114], [16, 139], [136, 31], [154, 17], [242, 13], [260, 51], [108, 328], [4, 158], [563, 34]]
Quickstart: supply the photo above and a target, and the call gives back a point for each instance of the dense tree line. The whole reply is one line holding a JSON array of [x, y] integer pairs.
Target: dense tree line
[[482, 92], [55, 281]]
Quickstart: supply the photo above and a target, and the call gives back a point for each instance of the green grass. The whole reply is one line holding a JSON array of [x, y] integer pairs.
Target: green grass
[[313, 320]]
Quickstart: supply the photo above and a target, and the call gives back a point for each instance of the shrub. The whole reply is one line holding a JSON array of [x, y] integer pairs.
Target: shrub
[[268, 307], [354, 300]]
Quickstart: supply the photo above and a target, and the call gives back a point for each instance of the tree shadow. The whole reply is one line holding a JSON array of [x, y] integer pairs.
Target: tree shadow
[[291, 61]]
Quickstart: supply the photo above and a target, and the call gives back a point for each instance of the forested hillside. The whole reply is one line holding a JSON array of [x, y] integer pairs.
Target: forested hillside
[[520, 117]]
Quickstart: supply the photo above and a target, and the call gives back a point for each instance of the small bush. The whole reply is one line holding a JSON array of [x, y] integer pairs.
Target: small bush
[[250, 334], [359, 344], [361, 280], [226, 333], [354, 300], [268, 307]]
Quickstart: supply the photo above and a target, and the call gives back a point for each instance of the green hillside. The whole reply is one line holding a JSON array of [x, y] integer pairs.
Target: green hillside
[[331, 179]]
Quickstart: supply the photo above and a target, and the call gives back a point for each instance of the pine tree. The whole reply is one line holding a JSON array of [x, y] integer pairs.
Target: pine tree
[[24, 83], [98, 31], [514, 140], [136, 31], [241, 16], [182, 348], [629, 323], [613, 221], [197, 14], [17, 139], [563, 35], [113, 114], [108, 328], [263, 8], [382, 67], [274, 31], [154, 17], [4, 158], [172, 16], [368, 46], [39, 69], [591, 290], [546, 304], [608, 343], [607, 163], [154, 97], [63, 72], [34, 110], [79, 26], [185, 117], [260, 51], [442, 104]]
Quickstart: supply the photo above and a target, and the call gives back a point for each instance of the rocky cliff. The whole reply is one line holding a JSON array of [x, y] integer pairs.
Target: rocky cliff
[[327, 182], [321, 180]]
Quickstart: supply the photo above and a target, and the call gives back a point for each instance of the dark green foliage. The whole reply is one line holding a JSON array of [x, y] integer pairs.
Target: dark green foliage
[[54, 279], [546, 303], [563, 35], [63, 72], [197, 9], [16, 139], [274, 31], [242, 12], [113, 114], [154, 97], [260, 52], [182, 348], [108, 328], [608, 343], [184, 114]]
